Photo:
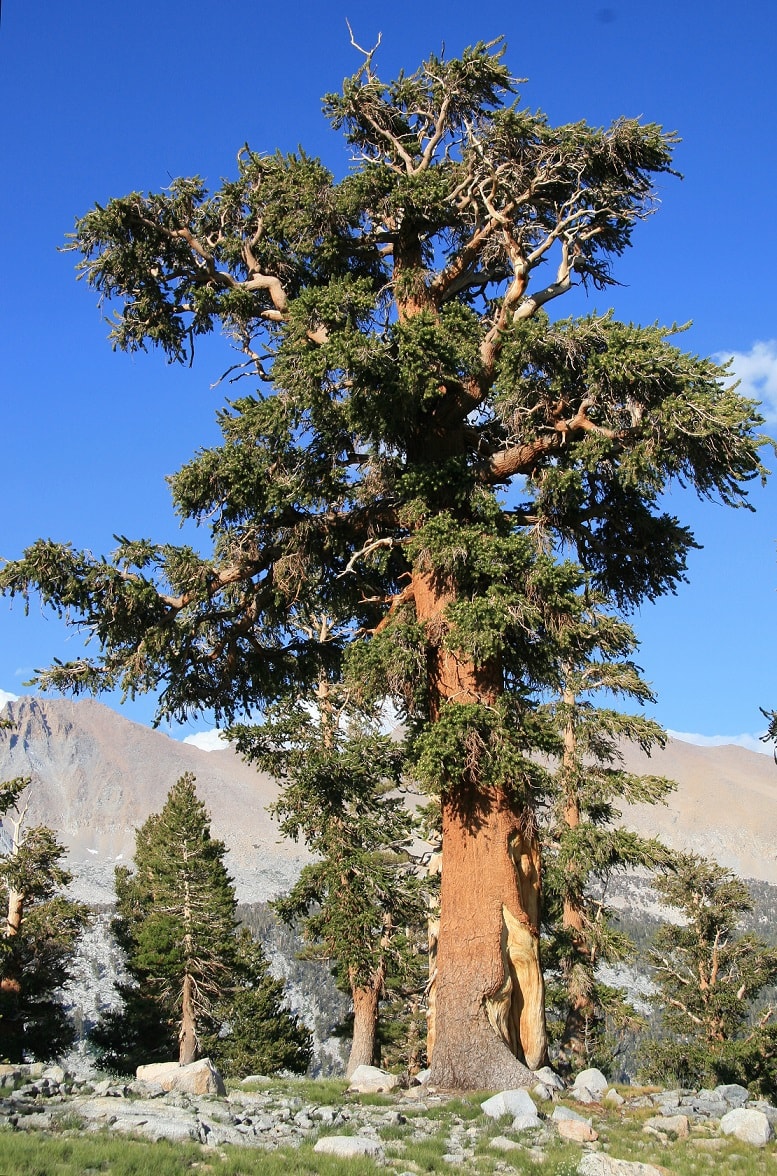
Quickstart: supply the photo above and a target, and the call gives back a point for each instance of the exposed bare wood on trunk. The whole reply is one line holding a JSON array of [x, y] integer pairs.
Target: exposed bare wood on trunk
[[366, 1000], [15, 914], [487, 1008], [13, 923]]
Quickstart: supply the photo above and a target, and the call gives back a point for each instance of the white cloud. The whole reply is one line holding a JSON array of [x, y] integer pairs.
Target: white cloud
[[756, 371], [751, 742], [208, 740], [6, 696]]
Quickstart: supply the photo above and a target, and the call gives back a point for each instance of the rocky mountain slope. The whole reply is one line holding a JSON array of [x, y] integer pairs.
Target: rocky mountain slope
[[724, 807], [96, 776]]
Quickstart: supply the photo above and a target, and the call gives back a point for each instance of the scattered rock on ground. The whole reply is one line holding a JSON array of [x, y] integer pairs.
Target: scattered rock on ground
[[750, 1126], [575, 1131], [599, 1164], [199, 1077], [49, 1099], [346, 1146], [509, 1102], [371, 1080]]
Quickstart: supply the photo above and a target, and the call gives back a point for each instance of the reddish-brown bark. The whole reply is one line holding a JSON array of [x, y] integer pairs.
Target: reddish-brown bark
[[187, 1034], [487, 1022], [365, 1023]]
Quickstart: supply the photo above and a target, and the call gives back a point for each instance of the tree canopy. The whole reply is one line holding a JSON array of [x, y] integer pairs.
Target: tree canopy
[[417, 449]]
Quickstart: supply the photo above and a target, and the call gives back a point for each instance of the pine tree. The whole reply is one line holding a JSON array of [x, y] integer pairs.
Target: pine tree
[[583, 845], [39, 938], [360, 900], [176, 924], [407, 371], [709, 976], [258, 1034]]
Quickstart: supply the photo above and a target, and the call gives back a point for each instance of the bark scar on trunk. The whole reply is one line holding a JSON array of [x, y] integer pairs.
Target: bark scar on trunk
[[514, 1011]]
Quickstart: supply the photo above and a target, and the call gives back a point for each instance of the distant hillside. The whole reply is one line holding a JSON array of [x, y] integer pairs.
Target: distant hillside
[[96, 776], [725, 806]]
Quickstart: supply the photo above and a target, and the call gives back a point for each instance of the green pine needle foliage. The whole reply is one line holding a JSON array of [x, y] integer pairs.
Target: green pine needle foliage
[[35, 962], [709, 976], [176, 918]]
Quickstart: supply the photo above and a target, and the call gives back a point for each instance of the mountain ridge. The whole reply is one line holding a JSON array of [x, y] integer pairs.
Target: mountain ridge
[[98, 775]]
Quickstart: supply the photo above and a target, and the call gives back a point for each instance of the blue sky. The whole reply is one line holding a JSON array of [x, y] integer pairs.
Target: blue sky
[[98, 99]]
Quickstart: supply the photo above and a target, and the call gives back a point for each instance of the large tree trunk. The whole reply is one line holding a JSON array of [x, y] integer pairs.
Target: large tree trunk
[[489, 1029], [187, 1034], [365, 1023], [487, 1023]]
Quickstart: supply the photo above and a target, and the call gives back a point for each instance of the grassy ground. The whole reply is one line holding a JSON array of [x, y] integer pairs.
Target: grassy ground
[[416, 1145]]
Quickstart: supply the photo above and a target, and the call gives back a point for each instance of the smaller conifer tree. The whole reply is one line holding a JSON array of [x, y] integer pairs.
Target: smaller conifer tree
[[361, 901], [39, 937], [709, 976], [583, 843], [193, 978]]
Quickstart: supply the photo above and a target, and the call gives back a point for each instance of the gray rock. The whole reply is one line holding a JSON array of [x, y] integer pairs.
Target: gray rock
[[502, 1143], [733, 1094], [39, 1121], [216, 1134], [599, 1164], [349, 1145], [707, 1105], [592, 1080], [767, 1109], [561, 1112], [669, 1099], [613, 1099], [550, 1078], [372, 1080], [749, 1126], [509, 1102], [676, 1125], [526, 1121]]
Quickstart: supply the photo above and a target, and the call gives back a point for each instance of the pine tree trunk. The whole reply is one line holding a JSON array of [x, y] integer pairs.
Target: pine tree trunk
[[366, 1001], [488, 1024], [13, 923], [187, 1034], [490, 1000], [15, 914]]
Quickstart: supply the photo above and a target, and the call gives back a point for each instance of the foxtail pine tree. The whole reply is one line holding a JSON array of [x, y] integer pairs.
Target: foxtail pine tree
[[359, 899], [583, 845], [403, 373]]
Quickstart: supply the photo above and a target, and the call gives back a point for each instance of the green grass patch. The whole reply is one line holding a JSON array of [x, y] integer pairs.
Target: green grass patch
[[320, 1092]]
